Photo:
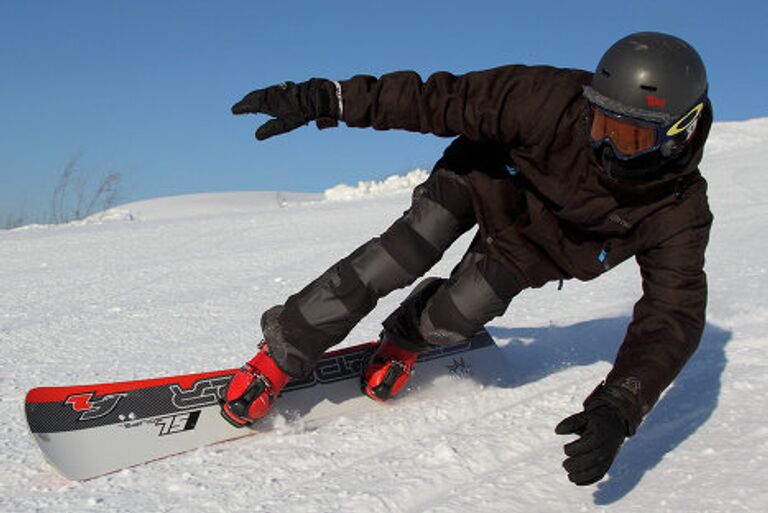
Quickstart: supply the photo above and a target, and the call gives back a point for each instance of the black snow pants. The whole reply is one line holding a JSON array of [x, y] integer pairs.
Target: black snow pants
[[437, 312]]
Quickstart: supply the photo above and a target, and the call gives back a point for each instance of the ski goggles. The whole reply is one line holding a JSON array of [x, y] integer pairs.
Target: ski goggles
[[630, 137]]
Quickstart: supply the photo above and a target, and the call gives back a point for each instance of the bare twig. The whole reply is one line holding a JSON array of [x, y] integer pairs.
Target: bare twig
[[72, 198]]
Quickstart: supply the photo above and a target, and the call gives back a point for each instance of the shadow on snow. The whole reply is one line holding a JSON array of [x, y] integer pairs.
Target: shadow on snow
[[534, 353]]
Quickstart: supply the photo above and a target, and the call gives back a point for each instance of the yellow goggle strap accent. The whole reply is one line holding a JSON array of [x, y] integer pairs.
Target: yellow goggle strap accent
[[686, 121]]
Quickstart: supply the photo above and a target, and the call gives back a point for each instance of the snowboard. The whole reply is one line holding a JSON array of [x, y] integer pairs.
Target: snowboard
[[86, 431]]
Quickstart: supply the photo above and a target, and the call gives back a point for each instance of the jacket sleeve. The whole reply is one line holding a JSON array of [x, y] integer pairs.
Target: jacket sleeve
[[666, 327], [499, 104]]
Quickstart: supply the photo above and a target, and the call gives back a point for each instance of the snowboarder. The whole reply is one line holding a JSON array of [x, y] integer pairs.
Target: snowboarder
[[566, 173]]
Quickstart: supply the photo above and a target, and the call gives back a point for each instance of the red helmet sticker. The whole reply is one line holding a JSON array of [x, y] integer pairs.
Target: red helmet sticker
[[655, 101]]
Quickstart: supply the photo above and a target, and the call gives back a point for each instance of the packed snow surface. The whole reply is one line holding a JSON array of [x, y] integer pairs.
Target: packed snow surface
[[177, 285]]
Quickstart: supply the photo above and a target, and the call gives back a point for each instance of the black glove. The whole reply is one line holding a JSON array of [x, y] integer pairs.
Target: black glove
[[292, 105], [601, 432]]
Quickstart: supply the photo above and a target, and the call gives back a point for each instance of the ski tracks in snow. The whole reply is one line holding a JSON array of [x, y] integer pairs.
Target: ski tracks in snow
[[478, 450]]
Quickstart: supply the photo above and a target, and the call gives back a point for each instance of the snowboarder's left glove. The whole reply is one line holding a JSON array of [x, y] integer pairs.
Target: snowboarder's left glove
[[292, 105], [601, 432]]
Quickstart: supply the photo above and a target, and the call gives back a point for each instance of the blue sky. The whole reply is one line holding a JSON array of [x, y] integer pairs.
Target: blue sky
[[144, 87]]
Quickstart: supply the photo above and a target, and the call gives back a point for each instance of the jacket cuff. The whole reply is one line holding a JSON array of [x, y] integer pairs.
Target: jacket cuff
[[622, 400], [339, 101], [329, 105]]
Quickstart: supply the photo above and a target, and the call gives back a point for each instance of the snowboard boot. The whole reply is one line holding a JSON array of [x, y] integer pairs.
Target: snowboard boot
[[387, 370], [252, 390]]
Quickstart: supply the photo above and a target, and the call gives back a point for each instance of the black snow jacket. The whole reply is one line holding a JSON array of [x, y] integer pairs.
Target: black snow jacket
[[550, 211]]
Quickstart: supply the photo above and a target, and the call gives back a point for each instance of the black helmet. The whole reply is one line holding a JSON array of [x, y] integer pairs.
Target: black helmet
[[649, 76], [646, 98]]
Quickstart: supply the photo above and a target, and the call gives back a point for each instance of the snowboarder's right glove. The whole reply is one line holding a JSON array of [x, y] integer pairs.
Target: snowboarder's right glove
[[292, 105], [601, 432]]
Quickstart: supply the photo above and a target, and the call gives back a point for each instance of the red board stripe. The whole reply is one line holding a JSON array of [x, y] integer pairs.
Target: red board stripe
[[60, 394]]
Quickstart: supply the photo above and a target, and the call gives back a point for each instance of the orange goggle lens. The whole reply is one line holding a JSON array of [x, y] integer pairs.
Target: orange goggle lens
[[627, 136]]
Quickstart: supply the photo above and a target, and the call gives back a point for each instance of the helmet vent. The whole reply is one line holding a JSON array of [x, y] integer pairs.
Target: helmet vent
[[649, 88], [605, 72]]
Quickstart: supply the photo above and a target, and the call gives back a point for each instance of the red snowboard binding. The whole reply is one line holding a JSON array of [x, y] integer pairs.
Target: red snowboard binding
[[251, 391], [387, 371]]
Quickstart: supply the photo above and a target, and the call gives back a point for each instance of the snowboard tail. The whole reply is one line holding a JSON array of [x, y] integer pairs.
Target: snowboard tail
[[86, 431]]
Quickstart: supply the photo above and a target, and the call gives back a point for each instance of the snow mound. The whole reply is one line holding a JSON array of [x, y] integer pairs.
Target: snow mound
[[214, 204], [109, 216], [733, 136], [392, 185], [246, 202]]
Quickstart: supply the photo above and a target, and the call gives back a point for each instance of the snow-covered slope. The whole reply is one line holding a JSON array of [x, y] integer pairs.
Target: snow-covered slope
[[177, 285]]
